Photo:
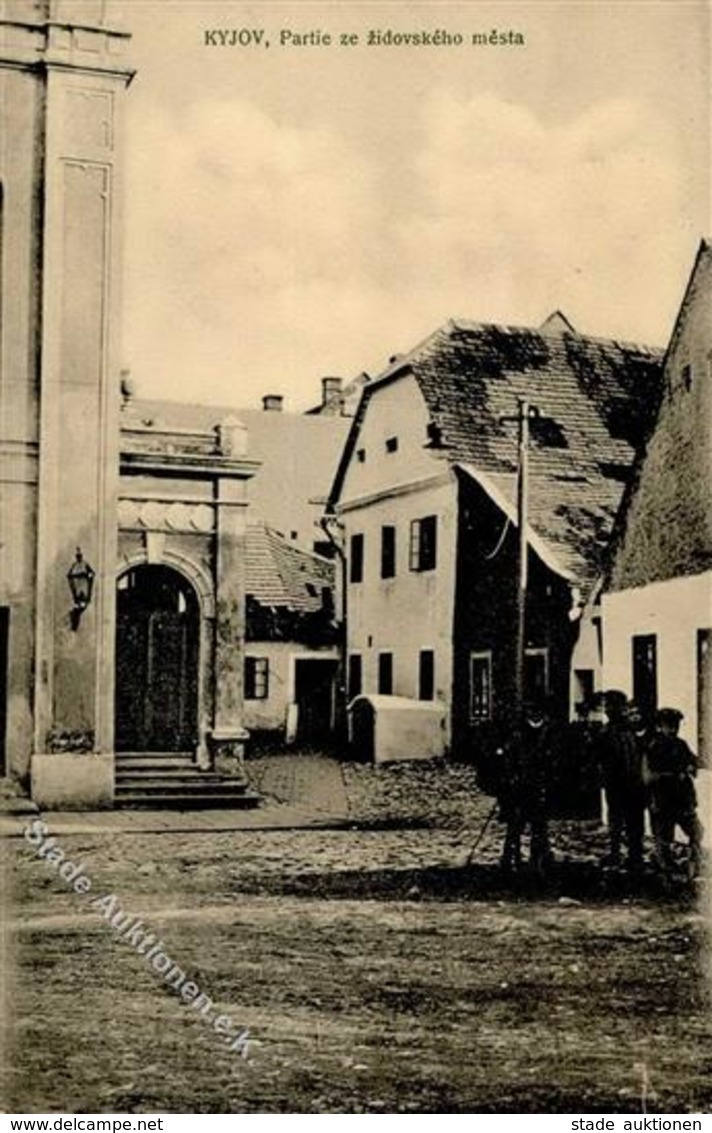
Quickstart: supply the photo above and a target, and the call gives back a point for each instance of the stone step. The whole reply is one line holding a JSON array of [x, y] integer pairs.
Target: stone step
[[173, 780], [167, 783], [193, 800], [171, 771], [141, 763], [120, 756]]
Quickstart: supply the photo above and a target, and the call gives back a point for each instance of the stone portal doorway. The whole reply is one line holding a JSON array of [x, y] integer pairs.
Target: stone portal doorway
[[157, 657]]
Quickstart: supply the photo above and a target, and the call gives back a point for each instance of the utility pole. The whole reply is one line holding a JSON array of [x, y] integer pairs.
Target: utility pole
[[522, 551], [525, 413]]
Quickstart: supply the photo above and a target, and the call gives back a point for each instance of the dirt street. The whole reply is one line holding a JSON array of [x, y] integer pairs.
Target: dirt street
[[374, 973]]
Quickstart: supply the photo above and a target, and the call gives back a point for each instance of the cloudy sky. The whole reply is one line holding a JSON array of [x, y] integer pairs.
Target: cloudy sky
[[297, 211]]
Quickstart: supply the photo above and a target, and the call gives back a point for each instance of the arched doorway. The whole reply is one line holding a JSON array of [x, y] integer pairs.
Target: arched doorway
[[157, 654]]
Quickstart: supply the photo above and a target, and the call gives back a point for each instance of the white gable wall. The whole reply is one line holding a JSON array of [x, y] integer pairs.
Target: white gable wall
[[397, 409], [414, 610]]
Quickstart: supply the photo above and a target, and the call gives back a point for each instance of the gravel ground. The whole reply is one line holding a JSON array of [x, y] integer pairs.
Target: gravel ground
[[374, 972]]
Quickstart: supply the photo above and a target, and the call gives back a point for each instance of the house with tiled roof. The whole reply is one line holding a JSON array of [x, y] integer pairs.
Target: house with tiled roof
[[292, 635], [657, 600], [426, 495]]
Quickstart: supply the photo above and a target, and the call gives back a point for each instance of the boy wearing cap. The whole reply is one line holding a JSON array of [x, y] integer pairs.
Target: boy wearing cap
[[670, 770], [621, 754], [524, 794]]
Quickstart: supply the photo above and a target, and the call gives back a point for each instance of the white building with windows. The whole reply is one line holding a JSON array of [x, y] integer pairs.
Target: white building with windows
[[426, 491]]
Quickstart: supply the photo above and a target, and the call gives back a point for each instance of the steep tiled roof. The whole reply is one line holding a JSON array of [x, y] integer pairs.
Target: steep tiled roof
[[597, 400], [280, 574]]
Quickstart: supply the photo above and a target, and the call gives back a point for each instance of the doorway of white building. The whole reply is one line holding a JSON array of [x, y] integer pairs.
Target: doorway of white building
[[314, 695]]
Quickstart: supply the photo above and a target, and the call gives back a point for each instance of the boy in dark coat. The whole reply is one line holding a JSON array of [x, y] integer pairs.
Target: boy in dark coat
[[622, 746], [523, 796], [670, 772]]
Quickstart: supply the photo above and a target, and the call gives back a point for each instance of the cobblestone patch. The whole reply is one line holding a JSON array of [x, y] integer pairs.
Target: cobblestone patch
[[439, 794]]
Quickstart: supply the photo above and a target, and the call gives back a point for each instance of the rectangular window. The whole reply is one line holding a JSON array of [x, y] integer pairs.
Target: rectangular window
[[645, 672], [584, 687], [536, 674], [392, 444], [256, 678], [388, 552], [480, 687], [385, 674], [356, 559], [355, 679], [361, 455], [426, 675], [423, 543]]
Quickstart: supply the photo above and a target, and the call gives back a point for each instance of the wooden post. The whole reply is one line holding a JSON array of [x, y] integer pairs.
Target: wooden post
[[522, 555]]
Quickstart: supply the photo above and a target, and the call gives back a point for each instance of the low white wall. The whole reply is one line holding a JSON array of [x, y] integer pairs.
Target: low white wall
[[413, 732], [704, 804], [72, 781]]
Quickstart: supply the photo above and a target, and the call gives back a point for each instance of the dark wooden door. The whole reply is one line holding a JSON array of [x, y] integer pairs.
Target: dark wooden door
[[314, 694], [156, 662]]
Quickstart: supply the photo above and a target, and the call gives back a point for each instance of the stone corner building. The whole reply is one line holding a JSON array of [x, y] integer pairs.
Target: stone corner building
[[657, 602], [147, 656]]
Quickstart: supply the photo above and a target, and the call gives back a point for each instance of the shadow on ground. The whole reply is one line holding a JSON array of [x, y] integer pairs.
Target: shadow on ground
[[574, 882]]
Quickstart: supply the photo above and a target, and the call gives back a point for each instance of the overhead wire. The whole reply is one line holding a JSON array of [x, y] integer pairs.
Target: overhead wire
[[498, 547]]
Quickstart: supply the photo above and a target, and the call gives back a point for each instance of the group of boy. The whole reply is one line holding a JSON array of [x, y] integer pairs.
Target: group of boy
[[646, 765], [642, 764]]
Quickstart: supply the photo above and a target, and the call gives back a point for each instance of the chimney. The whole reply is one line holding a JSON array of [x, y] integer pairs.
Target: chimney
[[330, 391], [272, 403]]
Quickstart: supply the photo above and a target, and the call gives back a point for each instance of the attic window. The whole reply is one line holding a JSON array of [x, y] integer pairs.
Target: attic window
[[391, 444], [686, 376], [547, 433], [614, 470], [361, 455]]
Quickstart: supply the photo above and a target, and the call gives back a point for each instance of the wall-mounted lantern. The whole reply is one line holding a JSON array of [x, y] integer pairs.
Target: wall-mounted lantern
[[80, 577]]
